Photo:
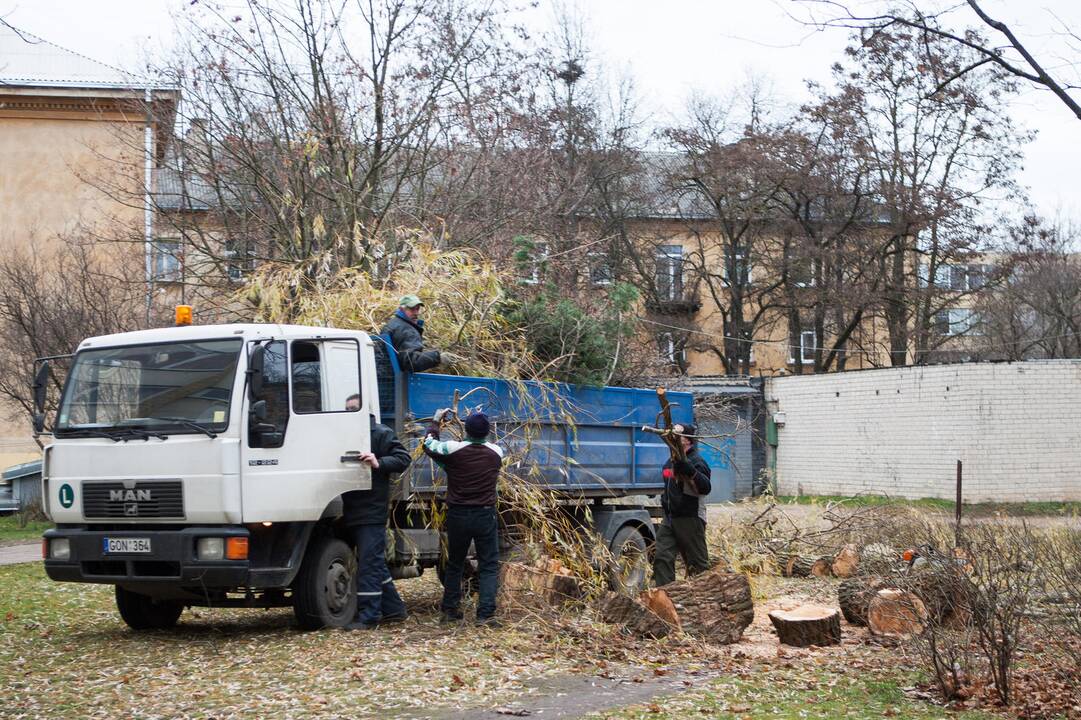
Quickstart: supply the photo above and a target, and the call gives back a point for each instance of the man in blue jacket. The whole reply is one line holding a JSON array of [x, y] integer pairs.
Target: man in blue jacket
[[365, 513], [406, 332], [686, 485], [472, 466]]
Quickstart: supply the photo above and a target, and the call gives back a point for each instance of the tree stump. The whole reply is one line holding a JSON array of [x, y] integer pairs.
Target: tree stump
[[715, 605], [637, 619], [807, 625], [896, 613], [846, 562], [854, 595]]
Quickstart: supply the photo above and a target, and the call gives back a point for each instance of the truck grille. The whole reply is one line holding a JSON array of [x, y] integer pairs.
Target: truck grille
[[148, 499]]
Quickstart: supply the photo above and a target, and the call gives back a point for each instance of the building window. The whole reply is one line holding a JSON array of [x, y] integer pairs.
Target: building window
[[600, 269], [166, 260], [961, 277], [808, 343], [803, 274], [956, 321], [672, 348], [739, 262], [669, 272], [239, 262]]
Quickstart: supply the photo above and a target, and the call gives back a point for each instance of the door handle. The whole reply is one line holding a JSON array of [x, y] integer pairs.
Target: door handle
[[351, 456]]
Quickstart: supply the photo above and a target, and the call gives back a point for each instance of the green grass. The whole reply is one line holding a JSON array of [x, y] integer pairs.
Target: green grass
[[10, 532], [1022, 509], [787, 693]]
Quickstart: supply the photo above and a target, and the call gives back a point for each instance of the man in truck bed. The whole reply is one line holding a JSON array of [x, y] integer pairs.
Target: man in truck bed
[[406, 331]]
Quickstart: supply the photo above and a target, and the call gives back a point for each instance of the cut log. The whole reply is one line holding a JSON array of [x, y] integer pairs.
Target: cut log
[[798, 566], [896, 613], [635, 617], [715, 605], [854, 595], [658, 601], [846, 563], [529, 585], [878, 557], [807, 625], [822, 567]]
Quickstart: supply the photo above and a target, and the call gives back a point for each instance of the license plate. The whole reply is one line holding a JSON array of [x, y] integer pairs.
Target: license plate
[[126, 545]]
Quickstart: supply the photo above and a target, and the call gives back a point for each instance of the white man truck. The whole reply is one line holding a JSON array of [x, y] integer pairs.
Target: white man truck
[[204, 465]]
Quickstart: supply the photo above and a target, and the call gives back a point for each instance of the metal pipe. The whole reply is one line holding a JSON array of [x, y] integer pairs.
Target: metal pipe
[[148, 213]]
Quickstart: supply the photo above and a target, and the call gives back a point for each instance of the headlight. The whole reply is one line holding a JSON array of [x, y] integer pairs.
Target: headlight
[[60, 549], [210, 548]]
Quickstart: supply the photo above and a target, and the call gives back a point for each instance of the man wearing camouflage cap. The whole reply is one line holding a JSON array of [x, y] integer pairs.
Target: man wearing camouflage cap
[[406, 330]]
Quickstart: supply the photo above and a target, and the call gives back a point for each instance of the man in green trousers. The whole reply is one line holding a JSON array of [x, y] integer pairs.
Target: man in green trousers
[[686, 484]]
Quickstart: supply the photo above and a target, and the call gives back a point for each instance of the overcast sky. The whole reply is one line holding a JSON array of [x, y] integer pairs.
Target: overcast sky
[[672, 49]]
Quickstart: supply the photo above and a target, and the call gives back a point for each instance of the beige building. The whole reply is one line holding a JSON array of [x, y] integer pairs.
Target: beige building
[[77, 144]]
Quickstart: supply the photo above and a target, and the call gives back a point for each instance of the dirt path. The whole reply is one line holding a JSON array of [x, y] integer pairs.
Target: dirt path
[[23, 553]]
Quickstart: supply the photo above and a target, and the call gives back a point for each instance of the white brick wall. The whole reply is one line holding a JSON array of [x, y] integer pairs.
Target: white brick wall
[[1016, 428]]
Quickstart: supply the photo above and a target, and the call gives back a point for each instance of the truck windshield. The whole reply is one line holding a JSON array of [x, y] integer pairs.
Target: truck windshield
[[182, 387]]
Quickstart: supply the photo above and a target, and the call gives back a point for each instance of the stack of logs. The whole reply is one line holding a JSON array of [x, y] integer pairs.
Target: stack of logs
[[873, 594], [715, 606], [845, 563]]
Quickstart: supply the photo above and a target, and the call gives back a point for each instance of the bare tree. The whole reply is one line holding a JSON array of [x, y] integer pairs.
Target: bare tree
[[1035, 312], [1010, 54], [50, 301], [935, 152]]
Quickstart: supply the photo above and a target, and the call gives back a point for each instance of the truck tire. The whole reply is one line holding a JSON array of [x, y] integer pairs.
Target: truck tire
[[629, 569], [325, 589], [470, 581], [142, 612]]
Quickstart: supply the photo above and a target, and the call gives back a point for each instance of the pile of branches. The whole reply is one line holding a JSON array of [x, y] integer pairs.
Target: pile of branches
[[465, 311]]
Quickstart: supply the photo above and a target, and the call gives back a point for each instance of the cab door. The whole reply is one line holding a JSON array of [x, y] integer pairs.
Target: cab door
[[313, 397]]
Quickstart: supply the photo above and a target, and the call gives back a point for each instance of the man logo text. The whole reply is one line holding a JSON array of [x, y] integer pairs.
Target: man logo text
[[129, 495]]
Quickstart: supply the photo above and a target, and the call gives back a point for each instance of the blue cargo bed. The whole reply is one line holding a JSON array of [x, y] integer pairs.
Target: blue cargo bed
[[587, 442]]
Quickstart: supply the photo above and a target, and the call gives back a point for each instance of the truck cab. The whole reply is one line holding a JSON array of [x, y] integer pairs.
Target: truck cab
[[190, 465]]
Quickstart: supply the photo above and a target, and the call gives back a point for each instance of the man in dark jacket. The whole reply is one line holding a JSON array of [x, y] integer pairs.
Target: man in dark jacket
[[366, 516], [686, 483], [472, 466], [406, 331]]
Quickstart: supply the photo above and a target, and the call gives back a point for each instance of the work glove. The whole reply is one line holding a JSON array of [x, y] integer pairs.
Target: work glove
[[683, 467], [440, 415]]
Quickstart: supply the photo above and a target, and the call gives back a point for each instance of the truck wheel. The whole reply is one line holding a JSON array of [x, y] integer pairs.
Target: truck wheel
[[142, 612], [470, 581], [325, 589], [629, 568]]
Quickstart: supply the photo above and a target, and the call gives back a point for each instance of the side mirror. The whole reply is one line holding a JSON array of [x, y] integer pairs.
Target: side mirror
[[40, 390], [255, 372]]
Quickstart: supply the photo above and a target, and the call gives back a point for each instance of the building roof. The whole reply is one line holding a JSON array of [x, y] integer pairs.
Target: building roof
[[29, 61]]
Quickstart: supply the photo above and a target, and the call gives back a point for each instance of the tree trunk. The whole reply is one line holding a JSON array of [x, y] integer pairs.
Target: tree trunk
[[854, 595], [798, 566], [638, 620], [715, 605], [547, 585], [822, 567], [807, 625], [896, 613], [846, 562]]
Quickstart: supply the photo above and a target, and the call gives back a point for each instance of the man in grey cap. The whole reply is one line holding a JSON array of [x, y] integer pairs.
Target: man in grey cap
[[406, 330]]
